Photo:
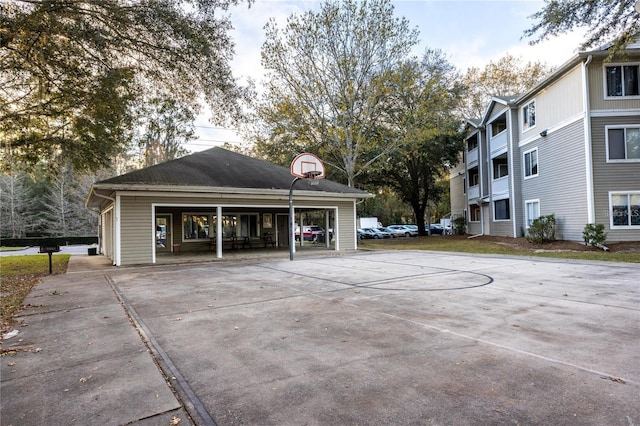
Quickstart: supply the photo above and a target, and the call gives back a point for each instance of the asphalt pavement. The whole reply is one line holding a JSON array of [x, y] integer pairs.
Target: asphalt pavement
[[77, 249], [367, 338]]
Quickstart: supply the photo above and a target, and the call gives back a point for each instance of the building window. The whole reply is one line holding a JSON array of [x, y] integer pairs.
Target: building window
[[623, 144], [500, 167], [472, 142], [195, 226], [625, 209], [529, 115], [532, 211], [229, 226], [531, 163], [501, 210], [474, 213], [499, 125], [622, 80], [474, 177], [249, 225]]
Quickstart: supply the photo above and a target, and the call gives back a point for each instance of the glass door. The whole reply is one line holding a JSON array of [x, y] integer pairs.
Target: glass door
[[163, 233]]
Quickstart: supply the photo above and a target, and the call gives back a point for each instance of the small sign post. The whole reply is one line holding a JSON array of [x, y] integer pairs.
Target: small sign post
[[50, 250]]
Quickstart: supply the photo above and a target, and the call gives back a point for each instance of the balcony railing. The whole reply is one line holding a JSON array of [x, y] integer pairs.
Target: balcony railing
[[474, 192], [472, 156], [500, 186], [499, 142]]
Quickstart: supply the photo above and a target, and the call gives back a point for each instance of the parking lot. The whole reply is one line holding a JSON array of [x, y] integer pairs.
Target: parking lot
[[395, 338]]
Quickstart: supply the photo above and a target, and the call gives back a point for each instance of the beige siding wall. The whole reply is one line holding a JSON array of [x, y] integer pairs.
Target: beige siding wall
[[557, 103], [561, 182], [496, 111], [597, 89], [137, 229], [503, 228], [612, 177], [474, 228], [346, 225]]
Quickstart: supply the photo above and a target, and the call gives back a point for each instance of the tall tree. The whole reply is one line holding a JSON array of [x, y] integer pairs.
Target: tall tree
[[507, 76], [165, 128], [421, 115], [61, 211], [320, 94], [16, 202], [73, 73], [615, 21]]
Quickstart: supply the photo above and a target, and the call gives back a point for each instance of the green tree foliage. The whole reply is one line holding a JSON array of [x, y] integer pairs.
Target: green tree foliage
[[507, 76], [423, 98], [321, 94], [606, 21], [165, 128], [74, 73], [386, 206]]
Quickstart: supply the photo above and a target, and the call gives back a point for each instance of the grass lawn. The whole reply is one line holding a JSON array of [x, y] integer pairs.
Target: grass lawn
[[620, 252], [11, 248], [18, 275]]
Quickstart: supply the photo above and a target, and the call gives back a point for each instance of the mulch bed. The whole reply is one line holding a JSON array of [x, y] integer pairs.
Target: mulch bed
[[560, 245]]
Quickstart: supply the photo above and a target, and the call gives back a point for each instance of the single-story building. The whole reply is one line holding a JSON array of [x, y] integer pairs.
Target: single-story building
[[215, 200]]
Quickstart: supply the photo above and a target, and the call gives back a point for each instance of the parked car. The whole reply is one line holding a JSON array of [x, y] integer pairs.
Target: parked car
[[408, 232], [364, 234], [436, 229], [310, 233], [395, 232], [378, 234]]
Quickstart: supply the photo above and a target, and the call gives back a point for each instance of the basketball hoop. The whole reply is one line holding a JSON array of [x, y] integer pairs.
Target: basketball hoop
[[313, 177], [308, 167]]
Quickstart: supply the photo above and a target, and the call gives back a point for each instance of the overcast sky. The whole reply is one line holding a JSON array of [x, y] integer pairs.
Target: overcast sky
[[470, 32]]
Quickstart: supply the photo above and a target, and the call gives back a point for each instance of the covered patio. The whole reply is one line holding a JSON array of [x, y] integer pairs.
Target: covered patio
[[216, 202]]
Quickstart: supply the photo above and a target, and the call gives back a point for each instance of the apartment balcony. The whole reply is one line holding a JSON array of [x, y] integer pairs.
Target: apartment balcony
[[500, 186], [472, 156], [474, 192], [499, 143]]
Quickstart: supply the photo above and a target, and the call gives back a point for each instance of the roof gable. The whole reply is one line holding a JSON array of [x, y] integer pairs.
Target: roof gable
[[220, 168]]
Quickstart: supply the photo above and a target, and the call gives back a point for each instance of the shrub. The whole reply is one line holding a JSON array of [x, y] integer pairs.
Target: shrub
[[460, 226], [543, 229], [594, 234]]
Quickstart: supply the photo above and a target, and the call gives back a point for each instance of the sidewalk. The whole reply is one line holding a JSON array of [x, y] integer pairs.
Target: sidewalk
[[78, 360]]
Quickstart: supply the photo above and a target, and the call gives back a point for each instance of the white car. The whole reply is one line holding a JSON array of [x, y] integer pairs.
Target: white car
[[406, 231], [395, 232]]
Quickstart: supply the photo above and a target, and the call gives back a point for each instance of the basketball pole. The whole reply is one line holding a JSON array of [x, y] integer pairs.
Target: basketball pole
[[292, 231]]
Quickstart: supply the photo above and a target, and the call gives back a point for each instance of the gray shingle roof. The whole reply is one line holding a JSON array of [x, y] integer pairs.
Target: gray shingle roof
[[221, 168]]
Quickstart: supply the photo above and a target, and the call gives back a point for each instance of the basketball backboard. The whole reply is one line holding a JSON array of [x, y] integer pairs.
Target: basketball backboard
[[307, 166]]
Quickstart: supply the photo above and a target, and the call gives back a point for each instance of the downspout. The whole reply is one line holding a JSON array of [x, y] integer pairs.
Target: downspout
[[591, 214]]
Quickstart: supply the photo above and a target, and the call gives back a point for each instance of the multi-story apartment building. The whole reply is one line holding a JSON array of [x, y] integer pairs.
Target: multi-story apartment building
[[569, 147]]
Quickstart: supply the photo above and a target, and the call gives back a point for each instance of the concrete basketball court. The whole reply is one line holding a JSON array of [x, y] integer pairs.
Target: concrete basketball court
[[377, 338]]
